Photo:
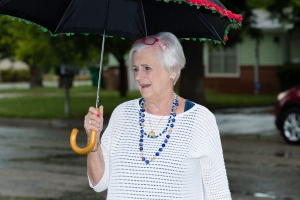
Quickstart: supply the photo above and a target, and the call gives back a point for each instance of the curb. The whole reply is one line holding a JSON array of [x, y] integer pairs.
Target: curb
[[72, 123]]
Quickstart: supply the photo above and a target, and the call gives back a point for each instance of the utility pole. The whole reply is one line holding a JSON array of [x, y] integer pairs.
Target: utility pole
[[256, 68]]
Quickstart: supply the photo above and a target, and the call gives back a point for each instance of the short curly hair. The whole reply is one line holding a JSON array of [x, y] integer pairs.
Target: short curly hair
[[172, 59]]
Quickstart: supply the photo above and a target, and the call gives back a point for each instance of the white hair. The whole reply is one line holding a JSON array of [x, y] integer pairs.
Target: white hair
[[172, 59]]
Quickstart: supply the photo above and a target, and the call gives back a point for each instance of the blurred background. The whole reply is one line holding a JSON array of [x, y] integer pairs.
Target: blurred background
[[47, 84]]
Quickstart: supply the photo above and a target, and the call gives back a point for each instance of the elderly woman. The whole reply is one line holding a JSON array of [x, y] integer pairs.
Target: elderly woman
[[160, 146]]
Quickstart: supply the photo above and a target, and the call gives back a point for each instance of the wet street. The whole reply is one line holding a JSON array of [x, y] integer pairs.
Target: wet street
[[38, 164]]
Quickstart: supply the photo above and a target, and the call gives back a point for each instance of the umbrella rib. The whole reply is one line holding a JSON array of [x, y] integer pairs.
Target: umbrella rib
[[211, 26], [63, 16], [144, 18]]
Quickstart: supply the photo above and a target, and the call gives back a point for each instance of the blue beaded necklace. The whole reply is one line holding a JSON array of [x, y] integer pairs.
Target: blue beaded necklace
[[170, 126]]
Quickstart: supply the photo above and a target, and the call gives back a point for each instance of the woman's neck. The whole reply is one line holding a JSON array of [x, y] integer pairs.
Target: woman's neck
[[160, 105]]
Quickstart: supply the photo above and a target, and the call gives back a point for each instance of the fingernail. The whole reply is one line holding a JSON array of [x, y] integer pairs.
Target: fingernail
[[98, 115]]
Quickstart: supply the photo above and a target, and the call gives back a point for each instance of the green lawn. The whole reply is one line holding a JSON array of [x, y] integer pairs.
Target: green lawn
[[48, 103], [217, 101]]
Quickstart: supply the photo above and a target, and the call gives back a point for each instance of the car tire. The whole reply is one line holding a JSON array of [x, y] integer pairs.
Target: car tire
[[290, 126]]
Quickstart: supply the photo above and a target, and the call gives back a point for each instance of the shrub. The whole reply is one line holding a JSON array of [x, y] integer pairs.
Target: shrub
[[288, 75], [15, 75]]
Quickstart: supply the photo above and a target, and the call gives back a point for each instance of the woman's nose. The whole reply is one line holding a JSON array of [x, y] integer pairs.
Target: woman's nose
[[139, 75]]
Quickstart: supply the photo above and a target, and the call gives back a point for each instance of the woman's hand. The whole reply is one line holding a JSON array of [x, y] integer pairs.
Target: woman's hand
[[94, 121], [95, 162]]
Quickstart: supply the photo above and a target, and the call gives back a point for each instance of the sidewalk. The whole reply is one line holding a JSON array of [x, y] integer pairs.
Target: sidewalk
[[57, 123], [45, 83], [239, 121]]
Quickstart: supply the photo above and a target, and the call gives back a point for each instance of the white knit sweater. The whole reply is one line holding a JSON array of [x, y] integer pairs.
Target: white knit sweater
[[191, 166]]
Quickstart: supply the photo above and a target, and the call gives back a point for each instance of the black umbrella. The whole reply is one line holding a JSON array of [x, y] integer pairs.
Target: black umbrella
[[130, 19]]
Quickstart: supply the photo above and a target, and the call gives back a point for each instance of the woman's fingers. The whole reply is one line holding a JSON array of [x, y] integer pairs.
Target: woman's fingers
[[93, 124], [101, 108], [94, 120]]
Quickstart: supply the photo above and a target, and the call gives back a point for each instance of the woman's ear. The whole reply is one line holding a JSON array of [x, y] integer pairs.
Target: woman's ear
[[175, 73]]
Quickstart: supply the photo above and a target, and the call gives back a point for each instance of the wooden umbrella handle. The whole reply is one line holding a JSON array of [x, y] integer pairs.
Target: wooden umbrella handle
[[88, 148], [90, 145]]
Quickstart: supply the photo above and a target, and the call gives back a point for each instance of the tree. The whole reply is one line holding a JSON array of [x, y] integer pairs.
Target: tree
[[76, 50], [6, 49], [192, 77], [41, 50], [31, 45], [118, 48], [287, 11], [191, 86]]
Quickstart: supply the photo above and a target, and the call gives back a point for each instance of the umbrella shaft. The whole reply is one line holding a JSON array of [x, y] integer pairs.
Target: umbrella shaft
[[101, 58]]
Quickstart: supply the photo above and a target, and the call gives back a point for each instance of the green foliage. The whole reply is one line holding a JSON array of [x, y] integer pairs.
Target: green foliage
[[77, 50], [6, 41], [29, 43], [259, 3], [243, 7], [286, 11], [14, 75], [288, 75]]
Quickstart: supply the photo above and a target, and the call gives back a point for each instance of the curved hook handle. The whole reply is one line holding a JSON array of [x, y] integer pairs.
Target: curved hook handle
[[90, 145], [88, 148]]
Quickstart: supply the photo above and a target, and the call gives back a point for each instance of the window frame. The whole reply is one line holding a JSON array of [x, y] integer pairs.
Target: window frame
[[221, 75]]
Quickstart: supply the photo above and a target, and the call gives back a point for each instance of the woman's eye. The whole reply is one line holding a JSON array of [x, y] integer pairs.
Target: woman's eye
[[135, 69], [147, 68]]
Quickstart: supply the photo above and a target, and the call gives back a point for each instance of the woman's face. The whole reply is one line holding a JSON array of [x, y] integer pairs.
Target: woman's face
[[151, 77]]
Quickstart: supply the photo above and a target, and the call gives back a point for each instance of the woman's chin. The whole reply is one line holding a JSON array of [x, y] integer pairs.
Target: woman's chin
[[145, 94]]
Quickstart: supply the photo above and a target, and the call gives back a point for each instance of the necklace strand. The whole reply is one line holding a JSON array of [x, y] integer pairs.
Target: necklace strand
[[170, 126], [152, 133]]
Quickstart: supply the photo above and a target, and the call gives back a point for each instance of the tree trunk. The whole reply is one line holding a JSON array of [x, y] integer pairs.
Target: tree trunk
[[122, 77], [192, 77], [36, 79]]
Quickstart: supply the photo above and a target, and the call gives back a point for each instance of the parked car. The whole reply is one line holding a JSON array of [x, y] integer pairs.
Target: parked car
[[287, 114]]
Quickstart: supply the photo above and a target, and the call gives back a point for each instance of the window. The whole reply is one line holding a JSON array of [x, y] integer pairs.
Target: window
[[223, 61]]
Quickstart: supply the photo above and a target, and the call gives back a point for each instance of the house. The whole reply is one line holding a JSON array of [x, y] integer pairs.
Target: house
[[7, 64], [232, 70]]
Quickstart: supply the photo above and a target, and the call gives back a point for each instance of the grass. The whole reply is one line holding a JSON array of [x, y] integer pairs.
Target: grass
[[217, 101], [48, 103]]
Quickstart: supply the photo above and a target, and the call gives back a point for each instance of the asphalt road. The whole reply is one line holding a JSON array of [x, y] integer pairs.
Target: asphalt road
[[38, 164]]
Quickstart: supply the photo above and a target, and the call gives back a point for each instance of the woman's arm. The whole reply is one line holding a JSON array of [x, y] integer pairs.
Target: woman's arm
[[95, 166], [214, 174], [95, 161]]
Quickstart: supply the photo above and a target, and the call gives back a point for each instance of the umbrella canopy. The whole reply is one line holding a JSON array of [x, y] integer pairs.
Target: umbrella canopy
[[130, 19]]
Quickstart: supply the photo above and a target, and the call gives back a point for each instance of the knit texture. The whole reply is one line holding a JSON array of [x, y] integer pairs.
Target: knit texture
[[191, 166]]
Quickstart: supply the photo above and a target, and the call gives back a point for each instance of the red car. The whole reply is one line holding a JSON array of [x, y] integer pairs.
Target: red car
[[287, 114]]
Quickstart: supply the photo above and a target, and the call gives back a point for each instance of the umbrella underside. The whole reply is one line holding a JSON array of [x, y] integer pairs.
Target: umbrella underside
[[130, 19]]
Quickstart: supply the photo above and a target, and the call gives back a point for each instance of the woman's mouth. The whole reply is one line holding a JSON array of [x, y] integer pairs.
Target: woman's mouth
[[145, 86]]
